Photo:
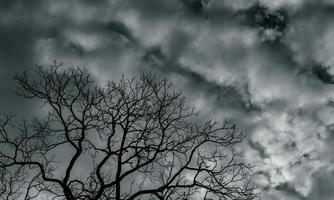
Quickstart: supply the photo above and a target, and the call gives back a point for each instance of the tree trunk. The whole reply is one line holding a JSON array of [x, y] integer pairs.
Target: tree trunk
[[118, 191], [68, 194]]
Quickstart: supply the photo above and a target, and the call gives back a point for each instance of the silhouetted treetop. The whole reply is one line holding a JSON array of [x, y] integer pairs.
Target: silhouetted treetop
[[134, 138]]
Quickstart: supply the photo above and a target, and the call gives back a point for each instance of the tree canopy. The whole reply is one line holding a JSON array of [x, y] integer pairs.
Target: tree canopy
[[135, 138]]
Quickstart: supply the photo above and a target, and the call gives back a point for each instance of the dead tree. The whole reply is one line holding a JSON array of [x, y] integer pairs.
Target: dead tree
[[129, 139]]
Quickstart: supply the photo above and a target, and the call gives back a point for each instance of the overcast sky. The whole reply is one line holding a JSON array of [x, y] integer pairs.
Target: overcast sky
[[266, 65]]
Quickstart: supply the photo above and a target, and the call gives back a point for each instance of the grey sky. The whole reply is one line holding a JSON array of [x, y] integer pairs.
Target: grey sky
[[265, 65]]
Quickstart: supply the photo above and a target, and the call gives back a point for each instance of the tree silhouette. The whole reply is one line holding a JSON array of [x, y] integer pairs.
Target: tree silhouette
[[130, 139]]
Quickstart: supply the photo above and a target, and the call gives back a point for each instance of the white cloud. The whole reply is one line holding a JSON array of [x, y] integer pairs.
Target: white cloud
[[276, 4]]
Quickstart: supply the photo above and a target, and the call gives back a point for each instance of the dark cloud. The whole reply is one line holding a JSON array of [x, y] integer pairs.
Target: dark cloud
[[322, 74], [120, 28], [194, 6], [271, 24], [259, 148]]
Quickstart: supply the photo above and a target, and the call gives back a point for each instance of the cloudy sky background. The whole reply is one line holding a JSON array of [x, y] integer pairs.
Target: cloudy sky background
[[266, 65]]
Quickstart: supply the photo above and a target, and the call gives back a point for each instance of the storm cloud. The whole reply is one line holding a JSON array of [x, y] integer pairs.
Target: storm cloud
[[266, 65]]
